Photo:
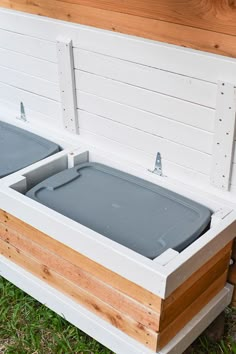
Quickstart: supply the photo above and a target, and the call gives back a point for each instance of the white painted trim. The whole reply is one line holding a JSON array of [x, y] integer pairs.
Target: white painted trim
[[67, 84], [102, 331], [225, 123], [115, 257], [166, 257]]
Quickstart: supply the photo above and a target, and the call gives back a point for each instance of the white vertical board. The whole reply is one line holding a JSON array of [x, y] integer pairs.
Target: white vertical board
[[222, 157], [67, 84]]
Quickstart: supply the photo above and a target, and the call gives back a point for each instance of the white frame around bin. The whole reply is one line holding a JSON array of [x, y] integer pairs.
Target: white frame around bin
[[160, 279]]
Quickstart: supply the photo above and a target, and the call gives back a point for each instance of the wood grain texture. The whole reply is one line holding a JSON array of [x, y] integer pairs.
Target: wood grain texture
[[82, 279], [202, 300], [108, 313], [116, 281], [192, 289], [206, 25], [218, 16]]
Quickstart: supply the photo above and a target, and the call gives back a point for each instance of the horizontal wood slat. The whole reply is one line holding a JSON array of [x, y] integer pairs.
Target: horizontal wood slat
[[29, 83], [166, 23], [142, 141], [164, 82], [192, 289], [76, 275], [141, 98], [136, 50], [134, 291], [179, 322], [148, 122], [46, 107], [121, 321], [82, 279], [218, 16], [29, 65], [38, 48]]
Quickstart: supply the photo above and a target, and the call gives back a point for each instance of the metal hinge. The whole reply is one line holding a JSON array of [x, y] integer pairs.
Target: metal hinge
[[158, 165], [22, 116]]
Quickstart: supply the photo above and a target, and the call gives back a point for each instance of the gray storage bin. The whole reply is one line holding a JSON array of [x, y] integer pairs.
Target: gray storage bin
[[20, 148], [133, 212]]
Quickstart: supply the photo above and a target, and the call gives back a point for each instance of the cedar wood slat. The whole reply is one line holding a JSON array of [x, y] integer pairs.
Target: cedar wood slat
[[134, 291], [201, 301], [172, 308], [84, 280], [124, 323], [218, 16], [166, 29]]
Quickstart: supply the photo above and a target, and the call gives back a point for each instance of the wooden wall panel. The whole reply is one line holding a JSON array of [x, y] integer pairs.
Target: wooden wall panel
[[206, 25]]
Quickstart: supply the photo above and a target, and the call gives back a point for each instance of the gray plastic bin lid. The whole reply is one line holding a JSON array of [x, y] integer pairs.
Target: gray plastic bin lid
[[20, 148], [133, 212]]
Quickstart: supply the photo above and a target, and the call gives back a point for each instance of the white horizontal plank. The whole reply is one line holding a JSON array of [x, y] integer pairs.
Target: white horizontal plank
[[29, 65], [149, 101], [31, 101], [29, 83], [148, 143], [192, 63], [148, 122], [31, 46], [171, 84], [143, 159]]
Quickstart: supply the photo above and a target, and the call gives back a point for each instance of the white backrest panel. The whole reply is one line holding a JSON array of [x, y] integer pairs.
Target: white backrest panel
[[134, 96]]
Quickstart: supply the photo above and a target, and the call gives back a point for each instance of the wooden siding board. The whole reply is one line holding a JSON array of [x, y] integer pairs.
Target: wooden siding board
[[148, 143], [165, 31], [184, 296], [218, 16], [143, 76], [120, 321], [27, 45], [29, 65], [26, 247], [156, 55], [134, 291], [174, 327], [42, 105], [171, 73], [84, 280]]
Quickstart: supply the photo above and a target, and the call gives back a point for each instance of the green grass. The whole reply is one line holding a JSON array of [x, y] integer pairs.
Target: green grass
[[27, 327]]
